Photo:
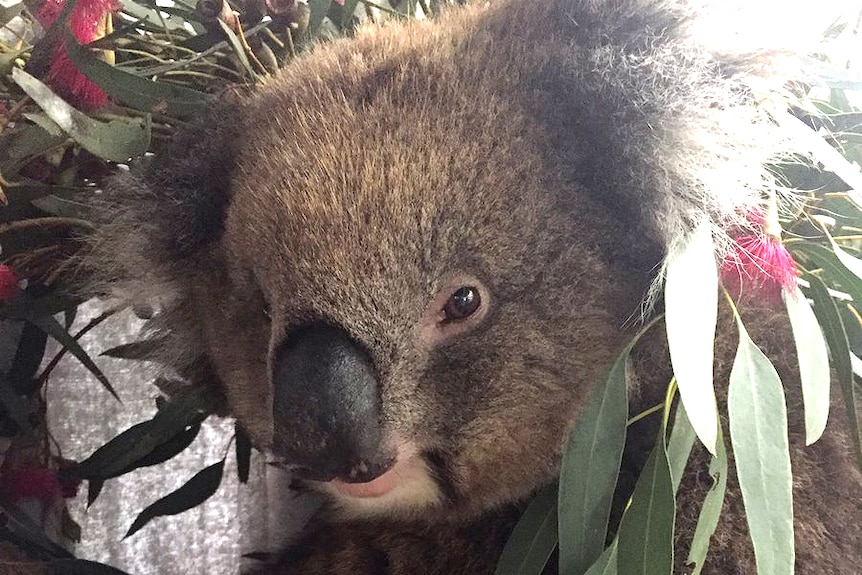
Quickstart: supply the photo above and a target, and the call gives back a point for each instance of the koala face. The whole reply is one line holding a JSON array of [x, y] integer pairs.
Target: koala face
[[409, 258], [410, 328]]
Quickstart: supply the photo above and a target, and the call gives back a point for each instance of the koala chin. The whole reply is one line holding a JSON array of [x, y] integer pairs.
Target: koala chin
[[407, 259]]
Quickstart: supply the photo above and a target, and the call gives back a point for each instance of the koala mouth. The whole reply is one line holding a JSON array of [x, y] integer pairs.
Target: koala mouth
[[410, 483], [401, 472]]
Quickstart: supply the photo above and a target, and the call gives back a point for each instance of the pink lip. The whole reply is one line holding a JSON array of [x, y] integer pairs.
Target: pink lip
[[374, 488]]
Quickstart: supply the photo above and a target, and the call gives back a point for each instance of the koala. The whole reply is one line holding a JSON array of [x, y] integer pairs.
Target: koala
[[407, 259]]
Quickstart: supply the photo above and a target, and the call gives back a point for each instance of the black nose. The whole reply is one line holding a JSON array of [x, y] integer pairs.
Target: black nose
[[326, 406]]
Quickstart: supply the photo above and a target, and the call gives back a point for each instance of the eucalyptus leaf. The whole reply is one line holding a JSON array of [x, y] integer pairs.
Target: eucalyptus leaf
[[194, 492], [243, 455], [606, 564], [534, 537], [710, 512], [839, 349], [679, 446], [588, 477], [758, 432], [117, 140], [238, 48], [53, 328], [136, 443], [813, 363], [646, 531], [138, 350], [691, 313], [140, 93], [83, 567], [832, 160]]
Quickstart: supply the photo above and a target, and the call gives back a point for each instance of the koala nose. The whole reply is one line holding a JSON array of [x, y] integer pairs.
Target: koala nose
[[326, 407]]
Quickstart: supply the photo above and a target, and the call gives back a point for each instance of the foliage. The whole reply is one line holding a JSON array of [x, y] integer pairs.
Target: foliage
[[160, 65]]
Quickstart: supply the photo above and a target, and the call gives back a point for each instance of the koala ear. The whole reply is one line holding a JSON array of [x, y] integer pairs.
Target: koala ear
[[176, 205]]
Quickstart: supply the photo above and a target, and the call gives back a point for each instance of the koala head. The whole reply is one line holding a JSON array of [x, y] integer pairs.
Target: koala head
[[409, 257]]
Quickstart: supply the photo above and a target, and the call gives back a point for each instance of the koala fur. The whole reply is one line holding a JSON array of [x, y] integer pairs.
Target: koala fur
[[546, 154]]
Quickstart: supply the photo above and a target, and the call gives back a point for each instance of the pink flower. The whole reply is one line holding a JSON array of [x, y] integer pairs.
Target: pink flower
[[87, 23], [759, 266], [9, 287]]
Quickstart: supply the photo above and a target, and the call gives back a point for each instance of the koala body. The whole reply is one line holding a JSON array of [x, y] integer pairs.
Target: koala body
[[408, 258]]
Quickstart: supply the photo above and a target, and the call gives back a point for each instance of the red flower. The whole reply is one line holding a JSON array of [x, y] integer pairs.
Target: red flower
[[87, 22], [759, 266], [8, 283], [35, 482]]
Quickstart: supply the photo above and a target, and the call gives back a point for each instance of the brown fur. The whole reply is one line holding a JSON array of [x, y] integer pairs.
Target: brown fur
[[554, 151]]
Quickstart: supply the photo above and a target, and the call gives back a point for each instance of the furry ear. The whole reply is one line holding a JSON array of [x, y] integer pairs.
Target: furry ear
[[182, 197], [155, 217]]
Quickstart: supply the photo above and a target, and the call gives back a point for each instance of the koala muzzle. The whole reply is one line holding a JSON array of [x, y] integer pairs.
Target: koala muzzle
[[326, 407]]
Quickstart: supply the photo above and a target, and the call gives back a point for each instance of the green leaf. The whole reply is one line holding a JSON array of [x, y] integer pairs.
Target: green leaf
[[758, 433], [534, 538], [834, 271], [839, 349], [319, 9], [682, 438], [813, 363], [53, 328], [589, 471], [139, 93], [691, 312], [94, 488], [117, 140], [707, 521], [137, 350], [243, 455], [194, 492], [832, 160], [83, 567], [123, 452], [646, 531], [238, 49], [606, 564]]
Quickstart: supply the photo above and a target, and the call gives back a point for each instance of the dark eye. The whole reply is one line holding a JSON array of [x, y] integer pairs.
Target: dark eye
[[463, 303]]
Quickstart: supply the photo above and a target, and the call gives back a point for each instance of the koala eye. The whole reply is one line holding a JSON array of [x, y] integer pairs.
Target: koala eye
[[463, 303], [459, 306]]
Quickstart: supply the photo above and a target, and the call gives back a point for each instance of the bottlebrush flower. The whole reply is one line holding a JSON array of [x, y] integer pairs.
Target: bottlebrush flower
[[8, 283], [758, 265], [88, 21]]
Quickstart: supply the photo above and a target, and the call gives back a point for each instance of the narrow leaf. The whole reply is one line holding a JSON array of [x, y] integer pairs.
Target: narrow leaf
[[691, 310], [682, 438], [137, 442], [197, 490], [53, 328], [117, 140], [839, 349], [139, 350], [94, 489], [589, 471], [606, 564], [83, 567], [534, 538], [139, 93], [646, 531], [707, 521], [243, 455], [758, 432], [813, 363]]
